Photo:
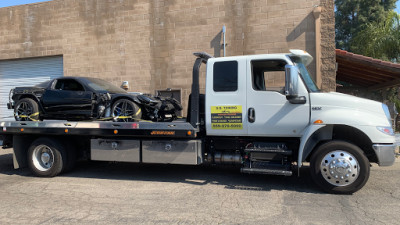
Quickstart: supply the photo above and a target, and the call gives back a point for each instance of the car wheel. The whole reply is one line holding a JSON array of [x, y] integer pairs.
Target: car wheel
[[46, 157], [26, 109], [125, 110], [339, 167]]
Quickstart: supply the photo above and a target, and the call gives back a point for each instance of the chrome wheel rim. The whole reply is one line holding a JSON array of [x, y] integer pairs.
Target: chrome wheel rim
[[122, 110], [43, 157], [23, 111], [340, 168]]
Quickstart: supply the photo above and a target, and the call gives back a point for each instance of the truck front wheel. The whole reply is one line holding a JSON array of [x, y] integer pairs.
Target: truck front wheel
[[46, 157], [339, 167]]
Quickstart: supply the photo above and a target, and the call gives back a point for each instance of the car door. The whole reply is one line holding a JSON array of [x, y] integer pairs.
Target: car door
[[269, 112], [67, 96]]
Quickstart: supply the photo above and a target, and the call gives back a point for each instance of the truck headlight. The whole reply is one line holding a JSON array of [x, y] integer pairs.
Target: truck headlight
[[386, 130]]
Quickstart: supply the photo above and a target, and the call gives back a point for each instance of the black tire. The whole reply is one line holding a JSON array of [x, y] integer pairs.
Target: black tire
[[339, 167], [125, 110], [26, 109], [47, 157]]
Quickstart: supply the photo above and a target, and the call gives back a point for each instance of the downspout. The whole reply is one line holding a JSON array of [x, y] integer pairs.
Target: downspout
[[223, 32], [317, 15]]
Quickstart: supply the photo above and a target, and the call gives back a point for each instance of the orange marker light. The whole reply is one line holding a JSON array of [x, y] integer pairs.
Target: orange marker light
[[189, 133], [22, 129], [318, 122], [115, 131], [66, 130]]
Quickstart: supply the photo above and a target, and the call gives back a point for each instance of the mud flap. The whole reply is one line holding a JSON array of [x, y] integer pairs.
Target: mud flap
[[21, 145]]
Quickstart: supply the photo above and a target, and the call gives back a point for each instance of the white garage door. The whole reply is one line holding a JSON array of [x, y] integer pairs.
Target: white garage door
[[25, 73]]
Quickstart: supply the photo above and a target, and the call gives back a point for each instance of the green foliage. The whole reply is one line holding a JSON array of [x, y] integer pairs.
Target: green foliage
[[393, 94], [370, 28], [352, 15], [379, 40]]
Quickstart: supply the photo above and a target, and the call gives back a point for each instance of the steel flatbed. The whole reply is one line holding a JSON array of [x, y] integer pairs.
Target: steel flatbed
[[176, 129]]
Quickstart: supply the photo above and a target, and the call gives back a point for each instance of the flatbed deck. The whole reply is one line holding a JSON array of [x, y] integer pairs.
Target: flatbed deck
[[175, 129]]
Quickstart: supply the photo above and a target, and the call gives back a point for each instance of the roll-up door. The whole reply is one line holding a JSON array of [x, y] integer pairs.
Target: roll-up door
[[25, 73]]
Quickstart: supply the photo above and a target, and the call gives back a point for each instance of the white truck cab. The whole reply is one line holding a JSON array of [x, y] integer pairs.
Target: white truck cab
[[256, 84], [273, 96]]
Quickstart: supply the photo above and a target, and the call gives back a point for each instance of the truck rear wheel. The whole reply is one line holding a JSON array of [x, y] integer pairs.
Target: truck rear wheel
[[339, 167], [46, 157]]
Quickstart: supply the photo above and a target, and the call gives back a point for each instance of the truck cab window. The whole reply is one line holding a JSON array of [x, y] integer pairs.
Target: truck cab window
[[268, 75], [225, 76]]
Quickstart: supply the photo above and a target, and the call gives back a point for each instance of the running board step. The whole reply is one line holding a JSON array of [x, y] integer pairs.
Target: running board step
[[269, 150], [270, 171]]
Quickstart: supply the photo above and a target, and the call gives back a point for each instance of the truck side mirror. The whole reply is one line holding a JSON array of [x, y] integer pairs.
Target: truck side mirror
[[291, 85], [291, 81]]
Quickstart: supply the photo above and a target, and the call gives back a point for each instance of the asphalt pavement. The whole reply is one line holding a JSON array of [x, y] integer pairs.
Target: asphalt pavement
[[123, 193]]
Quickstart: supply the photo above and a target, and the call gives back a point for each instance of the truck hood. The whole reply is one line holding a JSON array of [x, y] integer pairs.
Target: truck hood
[[346, 109], [336, 99]]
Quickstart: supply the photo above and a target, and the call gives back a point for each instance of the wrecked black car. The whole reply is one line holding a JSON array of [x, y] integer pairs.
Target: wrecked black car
[[84, 98]]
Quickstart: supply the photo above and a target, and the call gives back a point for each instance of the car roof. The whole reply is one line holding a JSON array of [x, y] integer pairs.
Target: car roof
[[82, 79], [78, 78]]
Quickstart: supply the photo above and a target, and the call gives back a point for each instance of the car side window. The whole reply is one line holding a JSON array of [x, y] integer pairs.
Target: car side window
[[68, 85], [268, 75]]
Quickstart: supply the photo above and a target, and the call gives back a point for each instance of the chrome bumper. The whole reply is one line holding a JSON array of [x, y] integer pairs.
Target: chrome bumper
[[385, 153]]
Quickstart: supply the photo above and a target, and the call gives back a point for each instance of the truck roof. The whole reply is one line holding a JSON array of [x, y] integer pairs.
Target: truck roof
[[303, 55]]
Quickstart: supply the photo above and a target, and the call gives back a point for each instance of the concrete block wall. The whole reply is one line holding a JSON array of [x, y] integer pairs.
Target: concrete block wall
[[328, 55], [150, 42]]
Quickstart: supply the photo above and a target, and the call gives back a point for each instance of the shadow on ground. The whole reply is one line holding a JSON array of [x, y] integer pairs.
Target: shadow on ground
[[229, 177]]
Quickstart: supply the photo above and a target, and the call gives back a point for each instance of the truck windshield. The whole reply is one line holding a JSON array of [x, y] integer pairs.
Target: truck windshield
[[312, 87], [307, 78]]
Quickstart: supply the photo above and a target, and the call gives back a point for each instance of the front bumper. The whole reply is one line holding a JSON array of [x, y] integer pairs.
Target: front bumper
[[385, 153], [10, 105]]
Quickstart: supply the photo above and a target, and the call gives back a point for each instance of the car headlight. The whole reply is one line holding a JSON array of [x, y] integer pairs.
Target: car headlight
[[386, 130]]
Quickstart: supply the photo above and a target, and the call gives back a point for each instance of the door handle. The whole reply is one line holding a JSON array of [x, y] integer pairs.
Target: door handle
[[252, 115]]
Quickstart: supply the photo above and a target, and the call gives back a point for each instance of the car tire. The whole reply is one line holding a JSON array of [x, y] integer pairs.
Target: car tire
[[47, 157], [125, 110], [26, 109], [339, 167]]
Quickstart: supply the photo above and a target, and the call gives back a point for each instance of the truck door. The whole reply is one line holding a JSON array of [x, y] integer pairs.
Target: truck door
[[226, 97], [269, 112]]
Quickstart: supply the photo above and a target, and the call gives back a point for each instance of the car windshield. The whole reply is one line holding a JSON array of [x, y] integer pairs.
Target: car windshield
[[43, 84], [103, 86], [312, 87]]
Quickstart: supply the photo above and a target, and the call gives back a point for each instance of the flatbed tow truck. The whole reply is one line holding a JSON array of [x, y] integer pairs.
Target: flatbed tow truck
[[243, 119]]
